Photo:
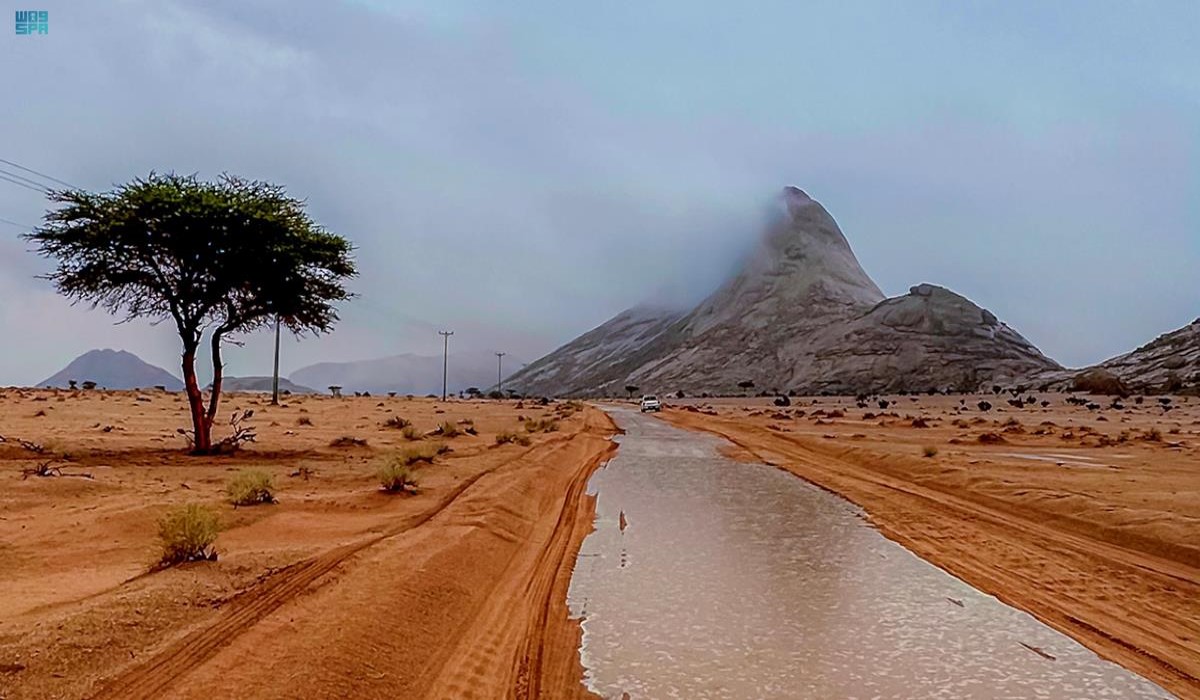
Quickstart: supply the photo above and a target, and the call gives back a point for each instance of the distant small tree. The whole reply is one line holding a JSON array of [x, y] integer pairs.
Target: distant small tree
[[336, 391], [746, 385], [230, 256], [72, 383], [630, 390], [474, 392]]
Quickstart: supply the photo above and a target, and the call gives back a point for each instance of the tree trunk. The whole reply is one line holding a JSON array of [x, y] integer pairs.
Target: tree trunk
[[201, 429], [218, 375]]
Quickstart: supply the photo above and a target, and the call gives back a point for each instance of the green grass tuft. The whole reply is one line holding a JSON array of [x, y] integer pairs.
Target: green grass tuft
[[251, 487], [187, 533]]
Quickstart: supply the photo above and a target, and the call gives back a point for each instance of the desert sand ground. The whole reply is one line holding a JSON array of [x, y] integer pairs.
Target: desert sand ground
[[1089, 519], [338, 590]]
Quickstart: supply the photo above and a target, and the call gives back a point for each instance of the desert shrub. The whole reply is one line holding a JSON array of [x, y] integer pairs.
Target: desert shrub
[[250, 487], [447, 429], [187, 533], [396, 476], [424, 452], [929, 451], [304, 472], [409, 432], [348, 441], [508, 436], [541, 425], [397, 423], [304, 420], [920, 422], [990, 439], [1153, 435]]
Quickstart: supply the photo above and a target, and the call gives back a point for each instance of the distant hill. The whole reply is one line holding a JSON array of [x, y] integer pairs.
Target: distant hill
[[407, 374], [1168, 364], [113, 369], [262, 384]]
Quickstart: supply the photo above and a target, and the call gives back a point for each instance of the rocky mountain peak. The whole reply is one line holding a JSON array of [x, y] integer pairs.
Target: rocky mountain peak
[[800, 314]]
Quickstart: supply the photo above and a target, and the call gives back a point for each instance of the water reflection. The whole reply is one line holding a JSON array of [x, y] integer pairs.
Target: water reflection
[[741, 581]]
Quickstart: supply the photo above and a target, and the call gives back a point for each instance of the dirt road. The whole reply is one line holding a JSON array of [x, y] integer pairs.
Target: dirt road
[[1089, 526], [459, 591]]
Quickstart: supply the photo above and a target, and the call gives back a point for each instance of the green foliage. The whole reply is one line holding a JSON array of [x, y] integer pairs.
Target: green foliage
[[251, 487], [396, 476], [187, 533], [230, 255]]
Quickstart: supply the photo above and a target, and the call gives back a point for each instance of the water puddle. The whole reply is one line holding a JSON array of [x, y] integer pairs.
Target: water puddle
[[1059, 459], [708, 578]]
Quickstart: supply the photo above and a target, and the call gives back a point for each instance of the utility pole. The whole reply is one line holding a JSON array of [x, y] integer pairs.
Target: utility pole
[[275, 377], [445, 358], [499, 371]]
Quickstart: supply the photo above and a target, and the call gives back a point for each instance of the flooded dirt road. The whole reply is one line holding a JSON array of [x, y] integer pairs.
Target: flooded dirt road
[[710, 578]]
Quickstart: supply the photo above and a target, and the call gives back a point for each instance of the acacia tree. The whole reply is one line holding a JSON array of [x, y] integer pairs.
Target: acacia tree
[[228, 256]]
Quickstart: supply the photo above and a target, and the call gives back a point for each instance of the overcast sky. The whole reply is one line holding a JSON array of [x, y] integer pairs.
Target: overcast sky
[[521, 171]]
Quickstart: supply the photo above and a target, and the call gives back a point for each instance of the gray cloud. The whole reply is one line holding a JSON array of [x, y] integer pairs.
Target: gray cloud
[[520, 172]]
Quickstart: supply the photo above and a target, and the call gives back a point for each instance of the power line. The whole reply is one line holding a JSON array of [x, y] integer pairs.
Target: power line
[[18, 224], [22, 178], [40, 190], [48, 177]]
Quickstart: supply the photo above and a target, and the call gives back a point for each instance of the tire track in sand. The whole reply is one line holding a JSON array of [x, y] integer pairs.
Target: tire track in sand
[[151, 677]]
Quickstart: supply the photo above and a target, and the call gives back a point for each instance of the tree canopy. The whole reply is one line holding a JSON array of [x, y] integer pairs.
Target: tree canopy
[[230, 256]]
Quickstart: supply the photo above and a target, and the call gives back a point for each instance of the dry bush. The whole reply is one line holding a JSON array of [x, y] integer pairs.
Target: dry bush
[[447, 429], [187, 533], [409, 432], [250, 487], [397, 423], [348, 441], [929, 451], [304, 420], [396, 476], [990, 439], [424, 452], [541, 425], [510, 436]]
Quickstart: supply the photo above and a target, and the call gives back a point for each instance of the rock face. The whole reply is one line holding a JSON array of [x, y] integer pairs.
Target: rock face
[[800, 315], [1170, 362], [113, 369]]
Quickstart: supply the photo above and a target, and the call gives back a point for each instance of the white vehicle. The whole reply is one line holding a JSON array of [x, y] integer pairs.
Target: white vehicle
[[650, 403]]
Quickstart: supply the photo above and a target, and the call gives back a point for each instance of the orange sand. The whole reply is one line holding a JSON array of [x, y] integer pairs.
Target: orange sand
[[337, 590]]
